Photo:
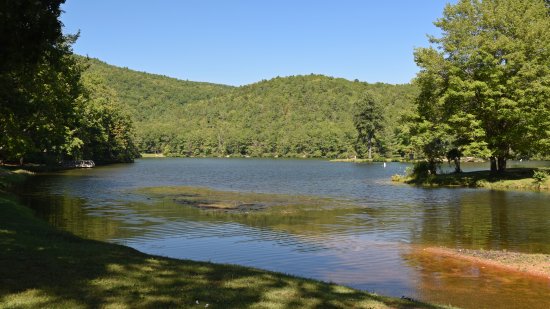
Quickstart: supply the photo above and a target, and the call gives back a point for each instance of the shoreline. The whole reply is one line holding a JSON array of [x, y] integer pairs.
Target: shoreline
[[530, 264], [514, 179]]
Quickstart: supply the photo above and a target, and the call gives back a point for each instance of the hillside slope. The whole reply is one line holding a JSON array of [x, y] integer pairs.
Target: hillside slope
[[297, 116], [151, 100]]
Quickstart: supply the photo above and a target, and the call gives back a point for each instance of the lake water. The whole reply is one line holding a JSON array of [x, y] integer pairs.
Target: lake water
[[347, 224]]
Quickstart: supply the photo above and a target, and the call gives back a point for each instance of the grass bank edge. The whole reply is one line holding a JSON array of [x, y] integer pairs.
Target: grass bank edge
[[523, 179], [43, 267]]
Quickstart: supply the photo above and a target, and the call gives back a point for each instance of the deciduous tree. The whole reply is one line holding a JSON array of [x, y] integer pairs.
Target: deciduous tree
[[490, 72], [368, 119]]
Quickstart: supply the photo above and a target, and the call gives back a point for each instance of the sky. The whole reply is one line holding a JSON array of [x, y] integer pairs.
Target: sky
[[240, 42]]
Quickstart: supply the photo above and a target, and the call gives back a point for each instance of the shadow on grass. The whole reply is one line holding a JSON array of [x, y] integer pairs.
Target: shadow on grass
[[43, 267]]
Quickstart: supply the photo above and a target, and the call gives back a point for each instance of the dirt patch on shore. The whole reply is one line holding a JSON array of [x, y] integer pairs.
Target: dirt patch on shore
[[530, 264]]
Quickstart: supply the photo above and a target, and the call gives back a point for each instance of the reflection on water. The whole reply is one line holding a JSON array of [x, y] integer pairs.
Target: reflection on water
[[490, 220], [356, 228]]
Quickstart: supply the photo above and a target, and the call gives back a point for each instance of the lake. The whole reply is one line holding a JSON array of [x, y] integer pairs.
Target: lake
[[338, 222]]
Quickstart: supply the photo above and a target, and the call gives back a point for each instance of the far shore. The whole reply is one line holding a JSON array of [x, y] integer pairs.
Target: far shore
[[152, 155], [532, 264]]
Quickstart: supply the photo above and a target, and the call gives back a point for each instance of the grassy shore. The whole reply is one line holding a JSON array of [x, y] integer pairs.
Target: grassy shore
[[352, 160], [512, 179], [152, 155], [41, 267]]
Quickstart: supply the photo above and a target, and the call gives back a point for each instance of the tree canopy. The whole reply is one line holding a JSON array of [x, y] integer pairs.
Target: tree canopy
[[485, 84], [39, 81], [47, 113], [368, 119]]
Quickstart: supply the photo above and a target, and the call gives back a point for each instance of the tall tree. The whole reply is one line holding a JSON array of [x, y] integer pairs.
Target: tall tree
[[490, 70], [104, 132], [39, 80], [368, 118]]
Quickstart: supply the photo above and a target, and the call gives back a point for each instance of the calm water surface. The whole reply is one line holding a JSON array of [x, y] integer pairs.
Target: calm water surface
[[371, 238]]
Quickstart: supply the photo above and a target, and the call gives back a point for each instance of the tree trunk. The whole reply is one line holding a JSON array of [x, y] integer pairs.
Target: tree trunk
[[457, 165], [501, 164], [432, 167], [493, 164], [369, 146]]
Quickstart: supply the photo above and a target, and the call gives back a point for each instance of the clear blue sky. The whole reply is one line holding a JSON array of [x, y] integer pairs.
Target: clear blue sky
[[243, 41]]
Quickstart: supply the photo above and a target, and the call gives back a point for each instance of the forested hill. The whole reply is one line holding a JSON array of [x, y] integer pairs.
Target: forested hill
[[151, 100], [297, 116]]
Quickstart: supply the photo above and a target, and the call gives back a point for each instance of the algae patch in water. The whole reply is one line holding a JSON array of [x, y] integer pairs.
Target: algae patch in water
[[205, 198]]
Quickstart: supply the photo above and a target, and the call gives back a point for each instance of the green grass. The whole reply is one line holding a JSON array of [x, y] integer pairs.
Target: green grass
[[41, 267], [512, 179], [152, 155]]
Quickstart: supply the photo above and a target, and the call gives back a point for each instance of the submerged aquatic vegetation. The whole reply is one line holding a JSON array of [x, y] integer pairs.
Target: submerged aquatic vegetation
[[205, 198]]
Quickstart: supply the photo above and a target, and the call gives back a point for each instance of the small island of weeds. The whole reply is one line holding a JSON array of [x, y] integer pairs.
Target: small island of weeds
[[238, 202], [531, 179], [41, 267]]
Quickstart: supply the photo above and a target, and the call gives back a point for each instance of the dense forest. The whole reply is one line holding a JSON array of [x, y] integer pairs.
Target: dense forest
[[153, 101], [297, 116]]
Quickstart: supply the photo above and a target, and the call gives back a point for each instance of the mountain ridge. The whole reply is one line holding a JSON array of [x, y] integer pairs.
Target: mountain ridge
[[293, 116]]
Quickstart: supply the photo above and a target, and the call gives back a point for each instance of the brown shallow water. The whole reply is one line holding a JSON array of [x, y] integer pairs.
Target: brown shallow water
[[529, 264], [338, 222], [473, 284]]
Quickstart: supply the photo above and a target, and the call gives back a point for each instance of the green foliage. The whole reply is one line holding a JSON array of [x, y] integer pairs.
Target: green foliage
[[154, 102], [431, 139], [368, 119], [422, 169], [47, 114], [298, 116], [39, 81], [488, 80], [540, 176], [105, 131]]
